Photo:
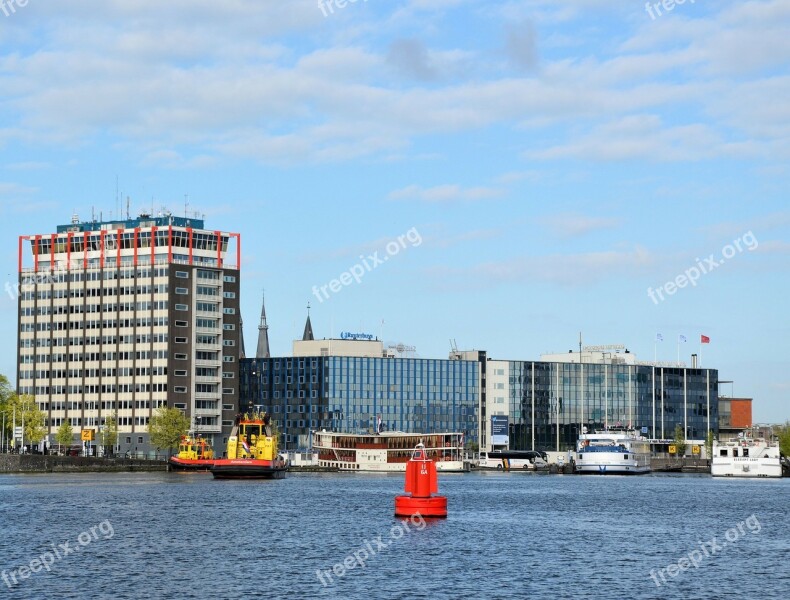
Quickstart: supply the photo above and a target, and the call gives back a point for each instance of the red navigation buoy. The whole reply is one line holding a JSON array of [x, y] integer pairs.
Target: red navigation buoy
[[421, 482]]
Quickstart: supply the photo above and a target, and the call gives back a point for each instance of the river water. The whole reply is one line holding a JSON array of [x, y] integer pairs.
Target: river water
[[508, 535]]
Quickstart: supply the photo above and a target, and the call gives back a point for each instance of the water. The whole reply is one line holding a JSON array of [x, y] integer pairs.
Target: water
[[508, 535]]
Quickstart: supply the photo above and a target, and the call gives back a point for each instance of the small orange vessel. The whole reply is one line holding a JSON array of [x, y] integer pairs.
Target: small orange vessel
[[194, 454], [421, 482]]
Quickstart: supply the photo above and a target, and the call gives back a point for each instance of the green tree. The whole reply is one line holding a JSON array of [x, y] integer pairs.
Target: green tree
[[166, 427], [109, 434], [27, 413], [783, 434], [65, 435], [709, 444], [6, 393], [680, 440]]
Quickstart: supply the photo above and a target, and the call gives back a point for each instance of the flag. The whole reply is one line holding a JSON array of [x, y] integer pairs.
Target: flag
[[659, 337], [378, 425], [682, 338], [245, 445], [704, 339]]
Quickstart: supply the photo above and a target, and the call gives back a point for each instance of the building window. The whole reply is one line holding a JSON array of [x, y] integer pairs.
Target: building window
[[182, 274], [229, 311], [229, 279], [227, 359], [181, 373], [182, 307], [139, 440], [227, 390], [181, 340], [180, 406], [180, 356], [182, 290], [228, 407], [180, 389], [182, 324], [128, 440], [228, 342], [229, 327], [226, 375]]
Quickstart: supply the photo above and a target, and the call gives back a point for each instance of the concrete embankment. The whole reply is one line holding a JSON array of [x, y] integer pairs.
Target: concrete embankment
[[36, 463]]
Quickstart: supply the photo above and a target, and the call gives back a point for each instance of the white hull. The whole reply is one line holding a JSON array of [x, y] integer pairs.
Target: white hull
[[746, 467], [612, 453], [612, 468], [387, 452], [447, 466], [745, 457]]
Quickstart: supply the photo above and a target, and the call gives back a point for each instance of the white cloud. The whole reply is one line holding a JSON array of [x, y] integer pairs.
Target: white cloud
[[445, 193]]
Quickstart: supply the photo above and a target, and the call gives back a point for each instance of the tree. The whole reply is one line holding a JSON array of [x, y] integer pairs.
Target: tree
[[28, 413], [709, 444], [65, 434], [109, 435], [680, 440], [784, 439], [6, 393], [166, 427]]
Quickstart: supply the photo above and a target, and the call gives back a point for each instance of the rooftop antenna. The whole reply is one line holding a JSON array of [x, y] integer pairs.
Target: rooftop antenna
[[127, 208], [186, 205]]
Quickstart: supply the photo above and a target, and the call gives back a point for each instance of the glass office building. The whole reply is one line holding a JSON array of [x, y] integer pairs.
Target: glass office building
[[551, 401], [348, 394]]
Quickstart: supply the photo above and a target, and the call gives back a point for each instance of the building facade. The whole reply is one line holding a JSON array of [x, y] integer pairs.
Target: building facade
[[550, 402], [350, 393], [123, 317]]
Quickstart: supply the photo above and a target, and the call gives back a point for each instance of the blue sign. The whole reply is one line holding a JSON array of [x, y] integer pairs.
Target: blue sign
[[347, 335], [644, 429], [499, 430]]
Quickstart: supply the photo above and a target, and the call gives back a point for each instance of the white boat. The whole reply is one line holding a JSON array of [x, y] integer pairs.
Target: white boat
[[745, 457], [612, 453], [388, 451]]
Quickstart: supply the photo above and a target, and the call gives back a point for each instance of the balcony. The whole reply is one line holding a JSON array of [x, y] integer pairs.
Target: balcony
[[208, 379], [208, 395], [214, 362]]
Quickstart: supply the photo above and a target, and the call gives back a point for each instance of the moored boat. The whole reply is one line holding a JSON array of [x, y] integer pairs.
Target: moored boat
[[251, 451], [388, 451], [612, 453], [194, 454], [745, 456]]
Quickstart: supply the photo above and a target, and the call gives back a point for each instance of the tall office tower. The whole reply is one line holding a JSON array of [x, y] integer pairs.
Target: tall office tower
[[123, 317]]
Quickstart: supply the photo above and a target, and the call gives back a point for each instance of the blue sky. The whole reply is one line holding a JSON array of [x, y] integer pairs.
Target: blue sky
[[554, 159]]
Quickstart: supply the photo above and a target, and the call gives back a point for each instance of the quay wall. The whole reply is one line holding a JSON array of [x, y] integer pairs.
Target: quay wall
[[37, 463]]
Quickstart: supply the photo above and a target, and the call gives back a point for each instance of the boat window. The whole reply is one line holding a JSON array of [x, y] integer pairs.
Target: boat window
[[735, 452], [746, 452], [723, 452]]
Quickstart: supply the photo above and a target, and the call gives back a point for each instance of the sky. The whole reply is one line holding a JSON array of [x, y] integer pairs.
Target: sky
[[487, 175]]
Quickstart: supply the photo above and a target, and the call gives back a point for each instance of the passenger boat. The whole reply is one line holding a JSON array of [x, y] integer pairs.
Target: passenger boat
[[388, 451], [194, 454], [745, 456], [251, 452], [613, 453]]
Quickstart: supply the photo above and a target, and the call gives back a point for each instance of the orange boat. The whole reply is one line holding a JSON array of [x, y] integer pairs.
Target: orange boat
[[252, 451], [194, 454]]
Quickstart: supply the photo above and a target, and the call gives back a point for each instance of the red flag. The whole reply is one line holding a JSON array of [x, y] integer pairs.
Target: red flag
[[704, 339]]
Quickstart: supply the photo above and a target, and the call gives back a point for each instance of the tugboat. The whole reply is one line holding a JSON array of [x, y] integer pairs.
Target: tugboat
[[252, 451], [194, 454]]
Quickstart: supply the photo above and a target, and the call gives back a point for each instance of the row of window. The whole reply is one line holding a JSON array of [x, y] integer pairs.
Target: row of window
[[93, 356], [142, 338], [93, 324]]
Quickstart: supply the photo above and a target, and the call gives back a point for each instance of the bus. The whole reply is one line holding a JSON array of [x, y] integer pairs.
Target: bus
[[513, 459]]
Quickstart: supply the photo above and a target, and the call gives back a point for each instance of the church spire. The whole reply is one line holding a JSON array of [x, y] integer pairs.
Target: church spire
[[308, 328], [263, 333]]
